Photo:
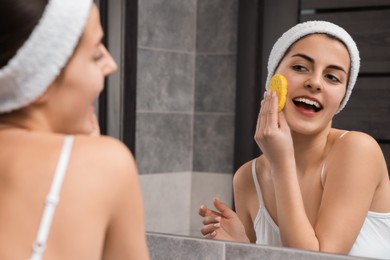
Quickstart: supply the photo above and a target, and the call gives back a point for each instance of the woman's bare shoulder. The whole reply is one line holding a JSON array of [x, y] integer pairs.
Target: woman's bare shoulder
[[360, 152], [104, 156], [243, 175], [102, 144], [357, 143], [105, 147], [355, 138]]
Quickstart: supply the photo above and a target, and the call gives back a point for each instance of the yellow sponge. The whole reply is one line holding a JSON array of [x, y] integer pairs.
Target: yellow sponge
[[278, 84]]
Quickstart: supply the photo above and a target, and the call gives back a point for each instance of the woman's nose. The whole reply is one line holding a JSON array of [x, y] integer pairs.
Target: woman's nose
[[110, 65], [314, 83]]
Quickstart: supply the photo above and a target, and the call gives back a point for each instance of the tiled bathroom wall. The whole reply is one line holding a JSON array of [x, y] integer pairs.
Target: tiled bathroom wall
[[185, 108], [169, 247]]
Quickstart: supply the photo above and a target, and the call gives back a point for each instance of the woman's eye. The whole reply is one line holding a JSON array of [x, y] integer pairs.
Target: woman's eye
[[299, 68], [98, 56], [333, 78]]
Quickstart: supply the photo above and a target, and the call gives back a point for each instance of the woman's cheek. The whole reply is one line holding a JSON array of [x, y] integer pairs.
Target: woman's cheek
[[98, 84]]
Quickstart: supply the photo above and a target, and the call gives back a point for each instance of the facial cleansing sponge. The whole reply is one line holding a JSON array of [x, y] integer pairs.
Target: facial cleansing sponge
[[278, 84]]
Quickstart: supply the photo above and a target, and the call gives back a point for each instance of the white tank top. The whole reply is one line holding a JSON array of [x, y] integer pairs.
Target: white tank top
[[372, 241]]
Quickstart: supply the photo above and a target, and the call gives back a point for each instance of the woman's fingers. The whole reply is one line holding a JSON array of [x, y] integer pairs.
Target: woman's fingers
[[202, 211], [210, 235], [269, 111], [210, 217], [264, 110], [272, 113], [282, 122], [210, 229], [260, 118], [211, 220], [226, 212], [206, 212], [268, 115]]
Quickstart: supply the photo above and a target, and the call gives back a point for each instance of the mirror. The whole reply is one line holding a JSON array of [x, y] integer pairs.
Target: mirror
[[181, 127], [191, 58], [186, 79]]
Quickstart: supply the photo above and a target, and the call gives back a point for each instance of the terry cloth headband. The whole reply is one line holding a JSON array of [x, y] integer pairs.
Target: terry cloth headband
[[40, 59], [300, 30]]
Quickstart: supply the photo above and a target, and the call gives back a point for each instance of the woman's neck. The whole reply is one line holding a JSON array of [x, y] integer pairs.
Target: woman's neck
[[310, 150], [23, 120]]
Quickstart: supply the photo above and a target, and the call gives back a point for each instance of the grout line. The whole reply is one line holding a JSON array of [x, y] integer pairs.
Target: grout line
[[192, 127], [187, 52], [214, 113], [164, 50], [186, 113], [217, 53], [164, 112]]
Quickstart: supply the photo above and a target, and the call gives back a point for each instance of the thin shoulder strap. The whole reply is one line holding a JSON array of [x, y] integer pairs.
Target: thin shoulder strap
[[323, 164], [258, 191], [322, 174], [52, 198], [342, 135]]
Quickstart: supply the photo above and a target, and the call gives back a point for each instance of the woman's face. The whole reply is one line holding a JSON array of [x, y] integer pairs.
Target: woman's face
[[82, 80], [316, 69]]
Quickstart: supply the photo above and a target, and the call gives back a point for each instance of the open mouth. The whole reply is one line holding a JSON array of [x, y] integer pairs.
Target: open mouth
[[307, 104]]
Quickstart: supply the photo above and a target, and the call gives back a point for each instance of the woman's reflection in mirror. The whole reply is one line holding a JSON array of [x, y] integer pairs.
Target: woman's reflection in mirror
[[314, 187]]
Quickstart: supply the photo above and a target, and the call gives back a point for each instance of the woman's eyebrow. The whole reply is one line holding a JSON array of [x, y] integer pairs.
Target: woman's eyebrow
[[304, 56], [337, 68], [311, 60]]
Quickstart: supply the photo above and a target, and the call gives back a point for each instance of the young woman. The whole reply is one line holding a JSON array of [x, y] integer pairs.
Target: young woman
[[315, 187], [76, 195]]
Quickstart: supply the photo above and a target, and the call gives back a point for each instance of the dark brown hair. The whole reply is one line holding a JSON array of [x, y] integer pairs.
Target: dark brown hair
[[17, 20]]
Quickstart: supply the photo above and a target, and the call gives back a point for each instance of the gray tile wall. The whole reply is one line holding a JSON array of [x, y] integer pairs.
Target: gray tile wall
[[186, 85], [215, 86], [167, 24], [163, 142], [169, 197], [213, 142], [217, 26], [185, 109], [168, 210], [163, 247], [165, 85], [165, 80]]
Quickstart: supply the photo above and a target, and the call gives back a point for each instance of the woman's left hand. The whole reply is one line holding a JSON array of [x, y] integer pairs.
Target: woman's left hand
[[273, 134], [223, 224]]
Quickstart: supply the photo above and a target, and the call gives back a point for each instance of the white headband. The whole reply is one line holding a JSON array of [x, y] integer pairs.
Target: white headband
[[40, 59], [300, 30]]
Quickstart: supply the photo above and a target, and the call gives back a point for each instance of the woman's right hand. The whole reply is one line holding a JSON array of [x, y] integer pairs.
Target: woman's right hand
[[222, 225], [273, 134]]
